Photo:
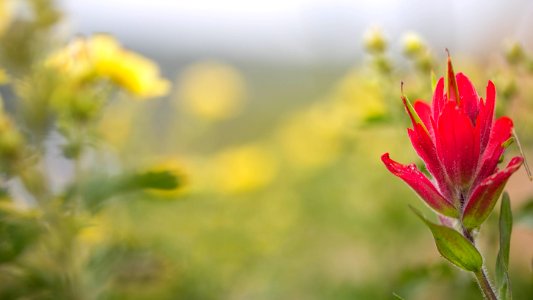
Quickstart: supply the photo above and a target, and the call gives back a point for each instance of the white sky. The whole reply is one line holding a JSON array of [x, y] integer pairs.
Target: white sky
[[298, 30]]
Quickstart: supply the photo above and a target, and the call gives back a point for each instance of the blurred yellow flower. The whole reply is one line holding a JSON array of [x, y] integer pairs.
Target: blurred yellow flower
[[4, 78], [5, 15], [413, 45], [362, 97], [211, 90], [375, 41], [243, 169], [312, 138], [95, 231], [102, 57]]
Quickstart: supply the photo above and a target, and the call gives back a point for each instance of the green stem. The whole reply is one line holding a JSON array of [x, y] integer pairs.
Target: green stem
[[485, 285], [481, 276]]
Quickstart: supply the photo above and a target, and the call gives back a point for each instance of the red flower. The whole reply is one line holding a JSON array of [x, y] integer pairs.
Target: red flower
[[461, 144]]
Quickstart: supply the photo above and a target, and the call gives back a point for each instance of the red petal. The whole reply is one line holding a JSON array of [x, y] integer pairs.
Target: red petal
[[486, 194], [438, 99], [489, 160], [426, 150], [421, 185], [485, 117], [457, 145], [469, 98]]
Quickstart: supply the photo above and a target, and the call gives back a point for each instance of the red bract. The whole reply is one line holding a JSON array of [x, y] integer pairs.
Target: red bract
[[461, 144]]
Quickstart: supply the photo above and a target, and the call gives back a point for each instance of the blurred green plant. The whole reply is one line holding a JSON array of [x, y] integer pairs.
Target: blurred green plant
[[46, 251]]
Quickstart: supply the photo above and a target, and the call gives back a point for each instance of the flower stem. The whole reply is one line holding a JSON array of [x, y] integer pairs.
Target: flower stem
[[481, 276], [485, 285]]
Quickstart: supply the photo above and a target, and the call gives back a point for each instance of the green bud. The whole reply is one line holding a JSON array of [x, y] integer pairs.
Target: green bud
[[509, 88], [10, 144], [72, 150], [514, 53], [413, 45], [529, 66], [374, 41]]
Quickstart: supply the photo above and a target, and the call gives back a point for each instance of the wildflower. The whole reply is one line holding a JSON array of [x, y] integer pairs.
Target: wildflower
[[4, 78], [360, 97], [211, 90], [243, 169], [413, 45], [375, 41], [5, 15], [461, 144], [320, 128], [102, 57]]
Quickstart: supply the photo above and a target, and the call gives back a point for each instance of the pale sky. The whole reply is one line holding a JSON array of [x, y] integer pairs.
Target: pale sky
[[299, 30]]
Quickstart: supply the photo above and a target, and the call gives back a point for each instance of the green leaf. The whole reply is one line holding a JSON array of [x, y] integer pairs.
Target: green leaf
[[160, 180], [433, 81], [396, 296], [502, 261], [18, 231], [412, 112], [453, 246], [98, 189]]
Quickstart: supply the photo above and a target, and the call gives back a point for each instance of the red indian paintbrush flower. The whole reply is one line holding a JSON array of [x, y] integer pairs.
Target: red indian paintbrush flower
[[461, 144]]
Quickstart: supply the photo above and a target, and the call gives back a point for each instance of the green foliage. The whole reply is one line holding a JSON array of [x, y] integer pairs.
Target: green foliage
[[453, 246], [97, 189], [502, 260], [18, 231]]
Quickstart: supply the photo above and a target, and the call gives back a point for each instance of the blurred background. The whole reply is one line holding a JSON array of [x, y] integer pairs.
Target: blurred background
[[276, 117]]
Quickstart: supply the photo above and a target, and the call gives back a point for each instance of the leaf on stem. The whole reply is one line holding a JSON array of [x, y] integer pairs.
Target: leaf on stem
[[502, 261], [97, 190], [453, 246]]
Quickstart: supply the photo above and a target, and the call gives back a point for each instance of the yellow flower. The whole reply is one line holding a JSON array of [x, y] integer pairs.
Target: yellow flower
[[211, 90], [243, 169], [95, 231], [133, 72], [375, 41], [5, 15], [413, 45], [360, 96], [4, 78], [312, 138], [102, 57]]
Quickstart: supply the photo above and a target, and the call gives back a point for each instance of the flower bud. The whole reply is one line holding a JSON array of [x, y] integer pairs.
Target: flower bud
[[10, 144], [413, 45], [374, 41], [514, 53]]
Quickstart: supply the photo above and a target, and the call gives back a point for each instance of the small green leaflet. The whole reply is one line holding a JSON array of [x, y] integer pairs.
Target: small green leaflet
[[412, 112], [502, 261], [453, 246]]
